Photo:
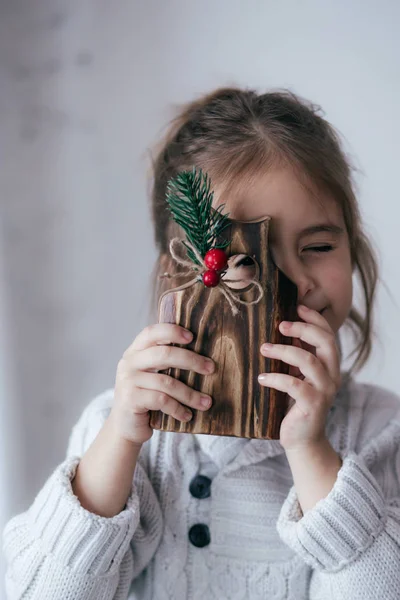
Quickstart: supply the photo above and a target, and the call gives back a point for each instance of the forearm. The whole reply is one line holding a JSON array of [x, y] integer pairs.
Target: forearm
[[351, 539], [104, 475], [314, 470]]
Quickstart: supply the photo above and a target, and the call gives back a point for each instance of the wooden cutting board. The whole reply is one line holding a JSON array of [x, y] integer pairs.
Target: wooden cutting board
[[241, 406]]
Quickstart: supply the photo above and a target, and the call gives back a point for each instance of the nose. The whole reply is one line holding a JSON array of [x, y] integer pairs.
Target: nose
[[304, 281], [297, 270], [304, 287]]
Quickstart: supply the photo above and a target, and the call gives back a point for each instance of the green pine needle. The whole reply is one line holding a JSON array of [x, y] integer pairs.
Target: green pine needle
[[189, 198]]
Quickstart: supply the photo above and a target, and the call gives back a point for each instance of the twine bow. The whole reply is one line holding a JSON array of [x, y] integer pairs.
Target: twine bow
[[232, 296]]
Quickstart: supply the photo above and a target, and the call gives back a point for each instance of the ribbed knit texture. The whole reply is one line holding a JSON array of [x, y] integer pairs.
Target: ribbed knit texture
[[262, 547]]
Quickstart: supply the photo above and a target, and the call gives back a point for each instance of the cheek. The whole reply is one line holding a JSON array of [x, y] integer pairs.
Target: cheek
[[339, 286]]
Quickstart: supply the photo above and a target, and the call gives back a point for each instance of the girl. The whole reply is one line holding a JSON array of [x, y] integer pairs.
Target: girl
[[142, 514]]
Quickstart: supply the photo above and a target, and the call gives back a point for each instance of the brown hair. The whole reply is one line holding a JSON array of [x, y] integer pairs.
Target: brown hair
[[232, 134]]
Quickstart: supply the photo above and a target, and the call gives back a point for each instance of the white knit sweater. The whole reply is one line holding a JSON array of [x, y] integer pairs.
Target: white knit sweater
[[262, 547]]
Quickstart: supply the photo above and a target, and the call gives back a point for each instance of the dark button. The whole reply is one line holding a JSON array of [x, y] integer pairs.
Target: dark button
[[199, 535], [200, 487]]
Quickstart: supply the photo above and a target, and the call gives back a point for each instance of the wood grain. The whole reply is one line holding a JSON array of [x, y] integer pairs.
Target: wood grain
[[241, 406]]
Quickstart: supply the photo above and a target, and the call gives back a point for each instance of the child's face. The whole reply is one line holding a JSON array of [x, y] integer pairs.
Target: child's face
[[324, 277]]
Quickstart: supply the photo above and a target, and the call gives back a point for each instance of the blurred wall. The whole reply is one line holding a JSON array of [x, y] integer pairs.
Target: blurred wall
[[85, 89]]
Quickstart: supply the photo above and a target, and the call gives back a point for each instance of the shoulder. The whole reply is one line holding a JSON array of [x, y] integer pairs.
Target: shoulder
[[90, 422], [378, 439], [373, 412], [379, 404]]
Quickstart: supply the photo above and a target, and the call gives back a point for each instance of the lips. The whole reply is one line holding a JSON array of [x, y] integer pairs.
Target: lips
[[316, 309]]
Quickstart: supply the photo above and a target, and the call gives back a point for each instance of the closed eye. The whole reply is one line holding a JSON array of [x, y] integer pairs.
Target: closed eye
[[324, 248]]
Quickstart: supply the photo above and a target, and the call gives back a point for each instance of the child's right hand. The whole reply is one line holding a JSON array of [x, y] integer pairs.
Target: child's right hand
[[140, 389]]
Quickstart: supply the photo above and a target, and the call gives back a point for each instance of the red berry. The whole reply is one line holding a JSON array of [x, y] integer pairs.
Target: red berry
[[216, 259], [211, 278]]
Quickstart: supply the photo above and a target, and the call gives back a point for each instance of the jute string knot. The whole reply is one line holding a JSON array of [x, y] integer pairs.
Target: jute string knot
[[231, 295]]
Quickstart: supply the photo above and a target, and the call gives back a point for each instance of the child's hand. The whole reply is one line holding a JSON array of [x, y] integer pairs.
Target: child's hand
[[139, 388], [313, 394]]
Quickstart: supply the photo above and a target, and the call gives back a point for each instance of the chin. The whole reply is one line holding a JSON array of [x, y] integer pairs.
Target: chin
[[335, 321], [332, 319]]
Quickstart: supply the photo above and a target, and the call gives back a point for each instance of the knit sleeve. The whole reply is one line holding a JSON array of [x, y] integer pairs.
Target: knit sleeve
[[58, 549], [351, 538]]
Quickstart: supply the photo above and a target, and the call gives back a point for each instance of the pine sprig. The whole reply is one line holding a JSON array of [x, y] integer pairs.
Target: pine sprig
[[189, 199]]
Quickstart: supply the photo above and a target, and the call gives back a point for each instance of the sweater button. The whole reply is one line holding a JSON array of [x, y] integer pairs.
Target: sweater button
[[199, 535], [200, 487]]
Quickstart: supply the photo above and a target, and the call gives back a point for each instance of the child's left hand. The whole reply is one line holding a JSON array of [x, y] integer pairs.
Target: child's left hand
[[313, 395]]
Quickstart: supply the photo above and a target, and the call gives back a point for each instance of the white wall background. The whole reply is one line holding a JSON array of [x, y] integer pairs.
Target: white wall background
[[85, 88]]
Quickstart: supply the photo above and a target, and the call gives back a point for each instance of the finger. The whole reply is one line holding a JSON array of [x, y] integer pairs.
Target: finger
[[309, 365], [295, 371], [314, 317], [299, 344], [165, 357], [303, 393], [153, 400], [160, 333], [174, 388], [323, 341]]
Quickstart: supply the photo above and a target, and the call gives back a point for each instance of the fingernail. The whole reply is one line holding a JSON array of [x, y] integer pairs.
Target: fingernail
[[263, 377], [285, 324], [302, 307], [205, 401], [209, 366], [267, 346], [188, 335], [187, 416]]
